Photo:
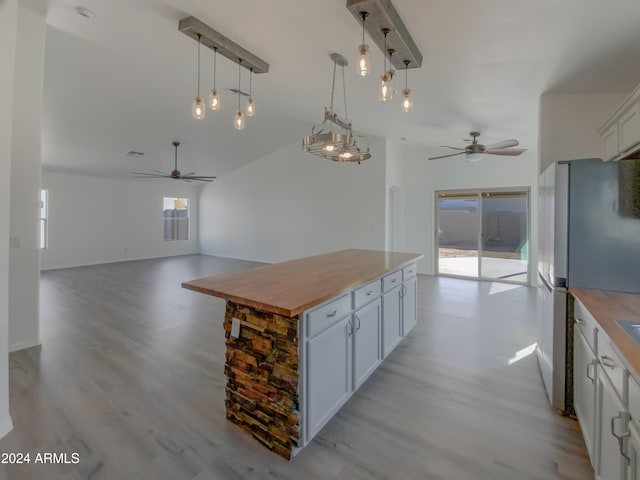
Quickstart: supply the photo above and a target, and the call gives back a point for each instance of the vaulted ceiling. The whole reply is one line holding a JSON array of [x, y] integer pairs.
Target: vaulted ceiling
[[125, 78]]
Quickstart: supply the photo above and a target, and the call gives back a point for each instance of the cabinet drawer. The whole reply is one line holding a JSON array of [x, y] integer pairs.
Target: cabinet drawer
[[410, 271], [367, 293], [391, 280], [611, 365], [322, 317], [585, 322]]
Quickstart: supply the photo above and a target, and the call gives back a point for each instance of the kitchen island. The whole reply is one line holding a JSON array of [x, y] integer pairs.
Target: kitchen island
[[303, 335]]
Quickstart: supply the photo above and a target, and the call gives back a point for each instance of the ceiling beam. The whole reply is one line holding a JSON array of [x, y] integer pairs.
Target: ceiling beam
[[191, 27], [382, 14]]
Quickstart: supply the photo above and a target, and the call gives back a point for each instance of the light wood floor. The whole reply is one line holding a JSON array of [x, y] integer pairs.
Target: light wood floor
[[130, 376]]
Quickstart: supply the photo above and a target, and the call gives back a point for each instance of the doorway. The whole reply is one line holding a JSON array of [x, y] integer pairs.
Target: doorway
[[483, 234]]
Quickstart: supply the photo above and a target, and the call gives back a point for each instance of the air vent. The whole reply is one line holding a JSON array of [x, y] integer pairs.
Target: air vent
[[133, 153], [236, 91]]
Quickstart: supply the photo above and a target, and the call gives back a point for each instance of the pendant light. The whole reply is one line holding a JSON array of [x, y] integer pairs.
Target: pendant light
[[251, 107], [214, 99], [198, 108], [385, 87], [238, 120], [406, 101], [364, 68]]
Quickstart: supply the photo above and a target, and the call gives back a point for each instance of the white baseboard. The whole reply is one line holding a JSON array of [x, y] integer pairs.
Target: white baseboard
[[26, 344], [6, 426]]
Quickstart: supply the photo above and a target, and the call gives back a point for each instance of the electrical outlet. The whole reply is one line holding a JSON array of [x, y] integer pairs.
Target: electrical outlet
[[235, 327]]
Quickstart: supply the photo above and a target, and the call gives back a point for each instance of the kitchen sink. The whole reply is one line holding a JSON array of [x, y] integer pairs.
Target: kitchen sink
[[631, 328]]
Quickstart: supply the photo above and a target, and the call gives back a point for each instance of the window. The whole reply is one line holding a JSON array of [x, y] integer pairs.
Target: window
[[176, 218], [44, 205]]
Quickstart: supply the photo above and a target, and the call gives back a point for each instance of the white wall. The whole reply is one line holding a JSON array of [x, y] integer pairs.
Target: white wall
[[568, 125], [24, 262], [100, 220], [394, 187], [8, 31], [290, 205], [423, 177]]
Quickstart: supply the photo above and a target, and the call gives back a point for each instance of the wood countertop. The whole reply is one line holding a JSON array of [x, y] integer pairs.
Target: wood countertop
[[288, 288], [607, 307]]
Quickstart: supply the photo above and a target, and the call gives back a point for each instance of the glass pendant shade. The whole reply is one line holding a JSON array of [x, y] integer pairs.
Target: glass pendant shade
[[386, 92], [198, 109], [364, 67], [214, 100], [250, 108], [406, 100], [238, 121]]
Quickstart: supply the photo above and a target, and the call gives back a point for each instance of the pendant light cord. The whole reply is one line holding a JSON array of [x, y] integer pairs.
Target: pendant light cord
[[250, 81], [199, 36], [344, 92], [215, 57], [175, 161], [239, 68]]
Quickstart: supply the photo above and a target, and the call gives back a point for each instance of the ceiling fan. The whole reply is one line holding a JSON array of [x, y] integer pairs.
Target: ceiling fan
[[175, 173], [475, 151]]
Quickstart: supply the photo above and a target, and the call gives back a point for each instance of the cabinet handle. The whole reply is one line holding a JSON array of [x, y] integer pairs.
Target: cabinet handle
[[404, 290], [393, 280], [608, 361], [578, 321], [349, 329], [358, 319], [593, 379], [332, 314], [369, 293], [620, 437]]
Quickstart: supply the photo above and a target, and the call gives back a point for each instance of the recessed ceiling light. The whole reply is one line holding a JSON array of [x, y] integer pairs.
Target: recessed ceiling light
[[133, 153], [84, 12]]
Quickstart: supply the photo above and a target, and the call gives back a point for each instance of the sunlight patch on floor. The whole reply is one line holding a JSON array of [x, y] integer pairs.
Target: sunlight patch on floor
[[520, 354]]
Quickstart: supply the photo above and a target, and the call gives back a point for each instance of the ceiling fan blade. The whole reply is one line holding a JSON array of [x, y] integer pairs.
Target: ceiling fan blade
[[445, 156], [161, 172], [452, 148], [197, 179], [503, 144], [188, 174], [511, 152], [197, 176], [149, 174]]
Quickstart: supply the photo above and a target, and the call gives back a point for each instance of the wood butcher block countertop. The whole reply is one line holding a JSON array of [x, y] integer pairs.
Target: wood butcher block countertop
[[288, 288], [607, 307]]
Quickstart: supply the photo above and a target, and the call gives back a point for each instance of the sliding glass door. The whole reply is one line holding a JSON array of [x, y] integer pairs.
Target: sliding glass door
[[483, 234]]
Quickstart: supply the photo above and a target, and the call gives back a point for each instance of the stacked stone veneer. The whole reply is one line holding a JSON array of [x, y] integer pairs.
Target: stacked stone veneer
[[262, 377]]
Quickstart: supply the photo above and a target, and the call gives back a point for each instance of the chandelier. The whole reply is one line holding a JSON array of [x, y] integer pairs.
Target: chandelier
[[334, 138]]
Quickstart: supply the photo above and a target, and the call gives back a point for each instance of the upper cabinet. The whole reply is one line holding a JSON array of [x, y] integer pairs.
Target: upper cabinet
[[620, 134]]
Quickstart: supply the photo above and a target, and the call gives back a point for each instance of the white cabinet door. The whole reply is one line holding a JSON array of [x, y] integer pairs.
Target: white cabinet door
[[328, 372], [391, 320], [633, 468], [612, 423], [409, 305], [610, 143], [366, 343], [584, 389]]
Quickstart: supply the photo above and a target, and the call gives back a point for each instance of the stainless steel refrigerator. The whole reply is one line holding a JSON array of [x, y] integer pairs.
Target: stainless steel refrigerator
[[589, 237]]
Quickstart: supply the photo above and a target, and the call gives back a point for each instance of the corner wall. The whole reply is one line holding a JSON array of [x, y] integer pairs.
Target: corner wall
[[24, 254], [8, 32], [290, 204], [96, 220]]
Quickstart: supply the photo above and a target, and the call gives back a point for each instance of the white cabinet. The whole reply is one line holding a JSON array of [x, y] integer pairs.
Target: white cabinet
[[366, 341], [328, 374], [391, 319], [620, 134], [633, 452], [409, 304], [584, 389], [613, 428]]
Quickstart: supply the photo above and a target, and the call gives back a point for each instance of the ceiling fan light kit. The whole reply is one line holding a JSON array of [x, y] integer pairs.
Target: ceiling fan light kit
[[175, 173], [340, 145], [476, 151], [207, 36]]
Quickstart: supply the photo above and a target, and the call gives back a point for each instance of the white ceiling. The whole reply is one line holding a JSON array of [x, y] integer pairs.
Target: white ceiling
[[125, 79]]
